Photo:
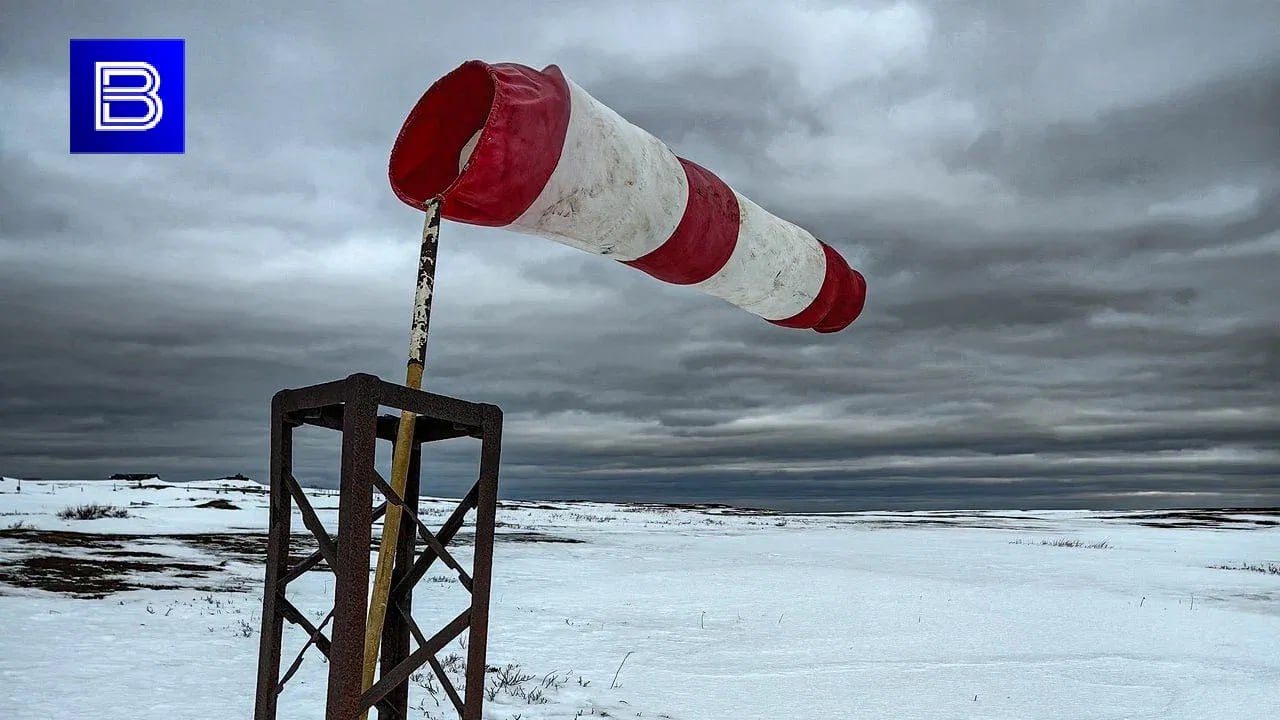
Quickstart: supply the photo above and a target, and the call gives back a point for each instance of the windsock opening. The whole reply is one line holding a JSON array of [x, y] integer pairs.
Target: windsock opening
[[425, 157], [485, 138]]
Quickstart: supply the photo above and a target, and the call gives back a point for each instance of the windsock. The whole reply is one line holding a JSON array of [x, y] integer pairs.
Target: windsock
[[505, 145]]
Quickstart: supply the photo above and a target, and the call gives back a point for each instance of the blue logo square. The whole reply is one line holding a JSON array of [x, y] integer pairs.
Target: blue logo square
[[127, 96]]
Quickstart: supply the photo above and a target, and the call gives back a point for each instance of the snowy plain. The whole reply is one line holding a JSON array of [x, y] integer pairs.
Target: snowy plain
[[685, 613]]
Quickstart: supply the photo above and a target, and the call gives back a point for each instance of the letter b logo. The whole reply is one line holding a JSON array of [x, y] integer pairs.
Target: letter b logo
[[112, 89], [127, 96]]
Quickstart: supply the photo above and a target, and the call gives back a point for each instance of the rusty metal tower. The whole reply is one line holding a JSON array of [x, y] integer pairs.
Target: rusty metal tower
[[350, 406]]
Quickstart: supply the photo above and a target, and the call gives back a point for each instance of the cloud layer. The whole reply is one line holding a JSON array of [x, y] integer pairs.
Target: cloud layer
[[1067, 214]]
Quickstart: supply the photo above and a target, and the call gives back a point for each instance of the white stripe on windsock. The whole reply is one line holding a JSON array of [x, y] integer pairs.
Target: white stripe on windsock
[[616, 190], [776, 269], [509, 146]]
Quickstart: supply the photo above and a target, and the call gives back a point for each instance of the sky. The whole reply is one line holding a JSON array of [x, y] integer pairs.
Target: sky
[[1066, 213]]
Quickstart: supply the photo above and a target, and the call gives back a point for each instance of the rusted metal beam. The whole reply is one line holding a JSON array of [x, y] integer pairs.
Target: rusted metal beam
[[314, 558], [421, 402], [272, 631], [312, 521], [406, 614], [313, 638], [400, 673], [314, 396], [482, 563], [295, 616], [426, 429], [351, 573], [423, 531], [445, 536], [447, 684], [315, 634]]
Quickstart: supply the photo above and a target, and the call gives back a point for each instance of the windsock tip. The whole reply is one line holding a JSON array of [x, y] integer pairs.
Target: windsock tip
[[848, 308]]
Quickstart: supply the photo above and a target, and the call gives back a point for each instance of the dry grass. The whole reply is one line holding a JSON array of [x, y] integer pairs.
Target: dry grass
[[92, 511], [1267, 568], [1066, 542]]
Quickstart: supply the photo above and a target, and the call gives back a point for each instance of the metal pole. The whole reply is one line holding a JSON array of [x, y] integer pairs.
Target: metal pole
[[404, 440], [277, 565]]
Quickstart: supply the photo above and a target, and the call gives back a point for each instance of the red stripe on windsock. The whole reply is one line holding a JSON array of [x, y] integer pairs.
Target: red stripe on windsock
[[848, 304], [524, 114], [706, 236], [839, 301], [833, 283]]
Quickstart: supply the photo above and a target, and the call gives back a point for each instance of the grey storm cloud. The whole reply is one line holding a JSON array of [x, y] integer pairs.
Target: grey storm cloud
[[1068, 214]]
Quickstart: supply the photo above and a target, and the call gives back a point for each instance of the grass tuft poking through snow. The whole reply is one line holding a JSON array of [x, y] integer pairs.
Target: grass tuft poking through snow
[[92, 511], [508, 686], [1066, 542], [1268, 568]]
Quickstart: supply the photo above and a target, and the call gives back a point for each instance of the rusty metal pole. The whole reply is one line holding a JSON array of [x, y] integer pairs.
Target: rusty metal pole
[[277, 565], [351, 569], [482, 565], [404, 440]]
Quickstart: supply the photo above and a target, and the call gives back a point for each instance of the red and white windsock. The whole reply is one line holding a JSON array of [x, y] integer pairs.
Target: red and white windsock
[[505, 145]]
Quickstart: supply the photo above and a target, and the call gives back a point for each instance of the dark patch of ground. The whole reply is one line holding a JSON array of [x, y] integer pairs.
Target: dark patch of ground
[[524, 537], [96, 577], [248, 548], [246, 489], [112, 563], [219, 504], [1201, 518], [522, 505], [131, 553], [65, 538], [979, 516]]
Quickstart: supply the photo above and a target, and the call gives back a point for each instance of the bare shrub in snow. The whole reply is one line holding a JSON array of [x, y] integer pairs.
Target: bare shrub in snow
[[1066, 542], [92, 511], [1268, 568]]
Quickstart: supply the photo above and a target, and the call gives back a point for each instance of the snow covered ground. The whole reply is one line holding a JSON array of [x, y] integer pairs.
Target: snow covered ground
[[719, 614]]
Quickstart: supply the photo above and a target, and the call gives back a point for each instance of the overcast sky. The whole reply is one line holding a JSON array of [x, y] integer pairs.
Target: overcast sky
[[1066, 212]]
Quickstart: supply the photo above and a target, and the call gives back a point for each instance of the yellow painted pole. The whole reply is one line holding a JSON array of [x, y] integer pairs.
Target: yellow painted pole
[[404, 442]]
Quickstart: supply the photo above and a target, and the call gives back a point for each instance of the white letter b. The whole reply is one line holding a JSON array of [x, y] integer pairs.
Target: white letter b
[[105, 94]]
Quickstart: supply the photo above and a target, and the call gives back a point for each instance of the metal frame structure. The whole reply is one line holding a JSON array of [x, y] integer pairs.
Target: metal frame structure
[[351, 407]]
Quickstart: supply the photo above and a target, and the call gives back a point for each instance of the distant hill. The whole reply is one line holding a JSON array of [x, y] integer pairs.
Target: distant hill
[[134, 476]]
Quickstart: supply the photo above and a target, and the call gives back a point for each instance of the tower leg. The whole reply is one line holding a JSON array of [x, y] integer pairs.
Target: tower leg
[[351, 576], [278, 531]]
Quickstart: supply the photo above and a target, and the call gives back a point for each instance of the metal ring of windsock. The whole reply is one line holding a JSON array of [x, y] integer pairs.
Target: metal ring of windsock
[[505, 145]]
